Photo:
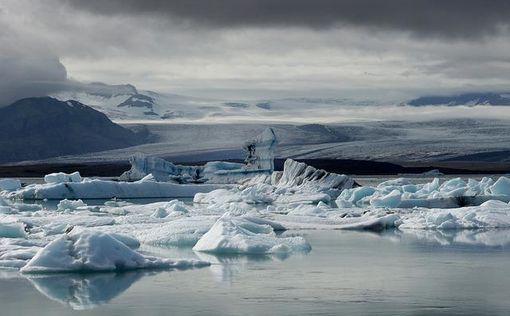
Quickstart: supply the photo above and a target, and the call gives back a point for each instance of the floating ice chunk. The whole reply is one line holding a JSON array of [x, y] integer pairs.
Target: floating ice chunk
[[161, 170], [243, 235], [104, 189], [172, 208], [433, 172], [12, 230], [61, 177], [453, 187], [490, 214], [181, 232], [350, 219], [160, 213], [501, 186], [394, 182], [70, 205], [96, 251], [354, 195], [9, 184], [15, 252], [390, 200], [310, 210]]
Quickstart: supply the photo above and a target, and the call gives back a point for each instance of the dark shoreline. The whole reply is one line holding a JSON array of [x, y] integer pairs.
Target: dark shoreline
[[345, 166]]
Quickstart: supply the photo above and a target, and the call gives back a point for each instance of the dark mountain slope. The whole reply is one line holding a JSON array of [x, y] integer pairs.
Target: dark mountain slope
[[38, 128]]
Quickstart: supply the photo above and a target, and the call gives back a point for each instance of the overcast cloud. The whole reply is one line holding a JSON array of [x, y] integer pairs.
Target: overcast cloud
[[391, 49]]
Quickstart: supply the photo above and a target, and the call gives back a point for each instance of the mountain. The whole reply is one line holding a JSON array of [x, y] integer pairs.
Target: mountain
[[470, 99], [38, 128], [126, 102]]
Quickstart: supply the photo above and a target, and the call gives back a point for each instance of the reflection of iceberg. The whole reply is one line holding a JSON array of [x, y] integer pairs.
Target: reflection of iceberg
[[84, 291], [470, 238], [227, 267]]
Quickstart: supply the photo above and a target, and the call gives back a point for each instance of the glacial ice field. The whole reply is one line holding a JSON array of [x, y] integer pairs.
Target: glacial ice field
[[84, 252]]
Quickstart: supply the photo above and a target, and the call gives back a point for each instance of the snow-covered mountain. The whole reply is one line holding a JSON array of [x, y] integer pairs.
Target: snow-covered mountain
[[469, 99], [126, 102]]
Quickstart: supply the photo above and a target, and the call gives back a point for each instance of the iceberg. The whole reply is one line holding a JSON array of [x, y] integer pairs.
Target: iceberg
[[259, 159], [61, 177], [106, 189], [92, 251], [161, 170], [297, 183], [245, 235], [401, 193], [260, 151], [9, 184], [12, 230], [491, 214]]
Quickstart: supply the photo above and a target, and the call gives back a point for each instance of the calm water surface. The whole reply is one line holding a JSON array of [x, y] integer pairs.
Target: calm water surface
[[346, 273]]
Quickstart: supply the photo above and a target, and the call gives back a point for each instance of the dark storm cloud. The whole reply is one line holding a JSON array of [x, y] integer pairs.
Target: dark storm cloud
[[442, 18], [27, 67], [29, 77]]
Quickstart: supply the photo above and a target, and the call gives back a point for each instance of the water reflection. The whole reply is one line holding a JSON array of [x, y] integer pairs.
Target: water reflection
[[227, 267], [85, 291], [466, 237]]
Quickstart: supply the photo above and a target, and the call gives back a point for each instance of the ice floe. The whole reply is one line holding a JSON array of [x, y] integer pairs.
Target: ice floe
[[245, 235], [107, 189], [9, 184], [89, 251], [402, 193], [61, 177]]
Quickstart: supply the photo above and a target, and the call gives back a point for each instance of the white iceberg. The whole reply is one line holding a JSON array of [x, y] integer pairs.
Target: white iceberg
[[61, 177], [491, 214], [246, 235], [298, 183], [402, 193], [12, 230], [9, 184], [259, 160], [105, 189], [89, 251]]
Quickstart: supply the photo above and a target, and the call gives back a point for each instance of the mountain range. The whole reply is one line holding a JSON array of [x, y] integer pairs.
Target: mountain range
[[470, 99]]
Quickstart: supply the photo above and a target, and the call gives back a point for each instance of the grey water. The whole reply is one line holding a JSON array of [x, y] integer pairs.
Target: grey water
[[345, 273]]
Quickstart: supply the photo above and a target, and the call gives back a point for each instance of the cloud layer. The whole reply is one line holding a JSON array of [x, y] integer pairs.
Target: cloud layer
[[452, 18], [391, 49]]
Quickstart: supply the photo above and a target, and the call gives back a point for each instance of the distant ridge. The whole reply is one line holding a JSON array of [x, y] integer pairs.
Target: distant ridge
[[470, 99], [44, 127]]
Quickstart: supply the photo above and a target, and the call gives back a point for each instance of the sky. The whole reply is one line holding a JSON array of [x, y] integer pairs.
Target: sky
[[257, 49]]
